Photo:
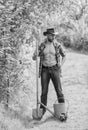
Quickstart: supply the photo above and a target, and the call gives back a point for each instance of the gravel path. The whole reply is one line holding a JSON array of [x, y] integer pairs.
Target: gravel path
[[75, 87]]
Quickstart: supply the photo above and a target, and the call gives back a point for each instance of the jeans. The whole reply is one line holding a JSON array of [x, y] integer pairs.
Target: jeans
[[53, 74]]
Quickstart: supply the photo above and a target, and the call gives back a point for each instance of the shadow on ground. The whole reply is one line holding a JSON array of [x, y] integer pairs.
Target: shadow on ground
[[27, 121]]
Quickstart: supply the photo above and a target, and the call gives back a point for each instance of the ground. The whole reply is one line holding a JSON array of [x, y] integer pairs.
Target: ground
[[75, 88]]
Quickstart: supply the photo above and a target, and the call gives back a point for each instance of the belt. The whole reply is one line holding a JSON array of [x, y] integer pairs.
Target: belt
[[49, 67]]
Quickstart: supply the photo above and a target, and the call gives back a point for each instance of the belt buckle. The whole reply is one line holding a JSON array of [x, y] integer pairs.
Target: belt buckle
[[51, 67]]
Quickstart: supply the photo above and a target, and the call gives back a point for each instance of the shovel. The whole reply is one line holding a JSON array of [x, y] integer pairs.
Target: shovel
[[37, 113]]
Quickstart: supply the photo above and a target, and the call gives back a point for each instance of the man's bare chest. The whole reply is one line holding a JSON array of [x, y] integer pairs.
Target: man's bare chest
[[49, 50]]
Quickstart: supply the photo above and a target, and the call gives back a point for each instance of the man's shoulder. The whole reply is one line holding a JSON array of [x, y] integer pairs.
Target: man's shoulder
[[56, 43], [43, 43]]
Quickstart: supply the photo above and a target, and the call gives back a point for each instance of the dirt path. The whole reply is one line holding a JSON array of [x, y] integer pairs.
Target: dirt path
[[75, 88]]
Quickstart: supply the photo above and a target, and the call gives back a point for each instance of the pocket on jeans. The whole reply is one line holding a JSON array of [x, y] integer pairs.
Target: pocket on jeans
[[56, 67]]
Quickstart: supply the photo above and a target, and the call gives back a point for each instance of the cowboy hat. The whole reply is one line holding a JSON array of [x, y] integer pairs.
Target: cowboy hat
[[49, 31]]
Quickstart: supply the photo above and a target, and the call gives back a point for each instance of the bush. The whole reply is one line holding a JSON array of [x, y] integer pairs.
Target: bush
[[66, 41], [78, 45], [85, 46]]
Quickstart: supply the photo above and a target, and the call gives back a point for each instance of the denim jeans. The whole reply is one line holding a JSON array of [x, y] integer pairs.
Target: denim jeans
[[53, 74]]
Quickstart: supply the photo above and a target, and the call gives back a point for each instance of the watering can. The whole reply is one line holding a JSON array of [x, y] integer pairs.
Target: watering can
[[60, 110]]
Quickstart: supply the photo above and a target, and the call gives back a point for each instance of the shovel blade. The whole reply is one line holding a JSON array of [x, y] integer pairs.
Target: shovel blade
[[37, 114]]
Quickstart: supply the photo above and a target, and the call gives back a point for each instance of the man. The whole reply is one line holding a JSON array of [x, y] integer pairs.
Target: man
[[50, 51]]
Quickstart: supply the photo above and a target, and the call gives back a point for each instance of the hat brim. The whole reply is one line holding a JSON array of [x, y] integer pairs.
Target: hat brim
[[46, 33]]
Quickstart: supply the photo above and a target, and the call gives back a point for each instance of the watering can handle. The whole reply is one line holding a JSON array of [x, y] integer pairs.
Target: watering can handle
[[58, 98]]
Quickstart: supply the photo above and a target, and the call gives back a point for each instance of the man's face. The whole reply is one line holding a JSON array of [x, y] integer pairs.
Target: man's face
[[50, 37]]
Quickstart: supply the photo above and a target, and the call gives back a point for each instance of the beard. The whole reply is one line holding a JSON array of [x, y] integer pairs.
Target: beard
[[50, 40]]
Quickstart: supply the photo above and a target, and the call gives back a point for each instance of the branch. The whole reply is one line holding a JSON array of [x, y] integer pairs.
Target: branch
[[2, 2], [81, 9]]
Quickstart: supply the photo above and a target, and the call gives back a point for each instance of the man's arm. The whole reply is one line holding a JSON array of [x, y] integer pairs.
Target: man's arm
[[34, 57], [63, 60], [40, 49], [62, 53]]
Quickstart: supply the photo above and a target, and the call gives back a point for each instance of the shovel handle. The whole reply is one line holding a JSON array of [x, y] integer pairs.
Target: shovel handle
[[47, 108], [37, 74]]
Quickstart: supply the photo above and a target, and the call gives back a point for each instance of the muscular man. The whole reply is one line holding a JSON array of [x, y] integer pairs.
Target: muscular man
[[50, 51]]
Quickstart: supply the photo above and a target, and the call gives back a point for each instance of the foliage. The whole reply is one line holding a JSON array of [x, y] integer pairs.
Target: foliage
[[22, 23]]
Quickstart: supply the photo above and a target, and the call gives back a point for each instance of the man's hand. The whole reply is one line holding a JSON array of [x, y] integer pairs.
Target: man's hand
[[60, 66], [63, 60], [60, 71], [34, 57]]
